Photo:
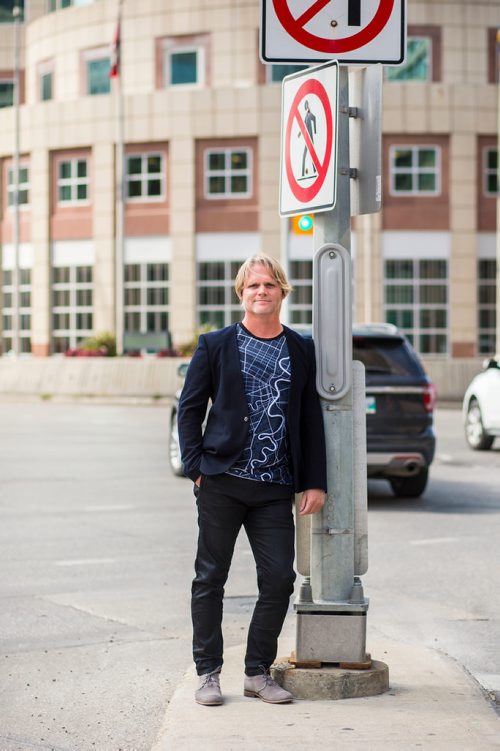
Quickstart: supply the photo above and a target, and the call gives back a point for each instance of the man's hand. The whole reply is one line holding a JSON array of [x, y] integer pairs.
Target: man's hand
[[198, 481], [312, 501]]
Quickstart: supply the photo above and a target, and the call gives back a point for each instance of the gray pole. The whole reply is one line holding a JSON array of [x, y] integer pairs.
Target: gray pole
[[497, 328], [16, 12], [119, 198], [332, 552]]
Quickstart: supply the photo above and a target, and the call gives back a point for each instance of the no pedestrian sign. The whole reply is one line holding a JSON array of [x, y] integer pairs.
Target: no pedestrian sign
[[350, 31], [308, 175]]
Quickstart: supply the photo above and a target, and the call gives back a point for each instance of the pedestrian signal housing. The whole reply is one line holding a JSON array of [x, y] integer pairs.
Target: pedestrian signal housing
[[303, 224]]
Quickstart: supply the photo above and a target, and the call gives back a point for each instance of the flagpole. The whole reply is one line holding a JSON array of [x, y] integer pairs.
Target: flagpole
[[16, 318], [116, 74]]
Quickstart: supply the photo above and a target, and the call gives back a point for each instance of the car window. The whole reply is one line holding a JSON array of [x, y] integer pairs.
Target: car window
[[383, 355]]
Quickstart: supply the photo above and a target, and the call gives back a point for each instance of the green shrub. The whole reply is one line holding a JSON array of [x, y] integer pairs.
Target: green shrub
[[104, 342]]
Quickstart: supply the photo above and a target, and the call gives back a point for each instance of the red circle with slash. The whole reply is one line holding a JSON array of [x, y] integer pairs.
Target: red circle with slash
[[306, 194], [295, 27]]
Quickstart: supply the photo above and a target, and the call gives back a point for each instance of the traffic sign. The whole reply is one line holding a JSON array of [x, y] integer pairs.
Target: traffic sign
[[309, 140], [350, 31]]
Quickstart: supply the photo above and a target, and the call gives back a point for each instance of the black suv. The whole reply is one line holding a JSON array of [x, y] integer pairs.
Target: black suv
[[400, 400], [399, 404]]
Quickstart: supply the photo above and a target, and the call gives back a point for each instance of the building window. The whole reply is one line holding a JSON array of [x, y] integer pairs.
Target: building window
[[184, 66], [72, 181], [23, 193], [276, 73], [145, 177], [46, 91], [147, 298], [57, 4], [415, 170], [72, 299], [218, 305], [418, 63], [416, 301], [6, 93], [6, 8], [490, 172], [486, 313], [228, 173], [24, 310], [300, 299], [98, 80]]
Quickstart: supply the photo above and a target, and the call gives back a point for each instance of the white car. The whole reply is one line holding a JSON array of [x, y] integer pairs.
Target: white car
[[481, 407]]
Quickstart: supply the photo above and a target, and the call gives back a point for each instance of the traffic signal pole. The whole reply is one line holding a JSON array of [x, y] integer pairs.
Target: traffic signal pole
[[331, 626]]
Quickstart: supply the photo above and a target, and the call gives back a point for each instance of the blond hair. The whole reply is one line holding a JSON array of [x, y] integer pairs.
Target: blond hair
[[273, 266]]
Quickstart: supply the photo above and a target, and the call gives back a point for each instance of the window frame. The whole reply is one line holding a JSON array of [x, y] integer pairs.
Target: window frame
[[144, 155], [8, 80], [430, 62], [73, 182], [22, 186], [486, 171], [73, 309], [143, 308], [416, 281], [296, 68], [414, 170], [180, 49], [24, 310], [227, 173]]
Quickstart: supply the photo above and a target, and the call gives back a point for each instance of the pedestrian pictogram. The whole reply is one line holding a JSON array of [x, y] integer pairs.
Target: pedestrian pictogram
[[349, 31], [308, 143]]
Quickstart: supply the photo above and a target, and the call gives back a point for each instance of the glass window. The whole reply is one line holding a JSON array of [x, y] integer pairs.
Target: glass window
[[218, 305], [228, 173], [72, 300], [23, 191], [8, 302], [6, 93], [276, 73], [300, 299], [73, 181], [490, 172], [46, 86], [183, 67], [415, 170], [145, 177], [6, 8], [416, 301], [98, 80], [147, 296], [418, 63], [486, 314]]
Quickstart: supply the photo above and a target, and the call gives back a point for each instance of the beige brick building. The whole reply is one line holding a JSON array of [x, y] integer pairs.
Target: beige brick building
[[201, 173]]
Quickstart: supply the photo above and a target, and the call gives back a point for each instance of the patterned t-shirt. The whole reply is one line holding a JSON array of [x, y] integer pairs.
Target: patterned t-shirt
[[265, 367]]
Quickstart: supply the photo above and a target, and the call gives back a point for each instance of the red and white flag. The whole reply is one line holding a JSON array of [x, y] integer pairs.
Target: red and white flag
[[114, 70]]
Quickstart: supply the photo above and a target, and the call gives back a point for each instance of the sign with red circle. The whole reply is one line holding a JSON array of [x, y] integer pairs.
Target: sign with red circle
[[309, 140], [350, 31]]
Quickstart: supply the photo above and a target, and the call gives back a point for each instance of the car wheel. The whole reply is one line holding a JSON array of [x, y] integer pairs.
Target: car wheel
[[174, 449], [475, 434], [410, 487]]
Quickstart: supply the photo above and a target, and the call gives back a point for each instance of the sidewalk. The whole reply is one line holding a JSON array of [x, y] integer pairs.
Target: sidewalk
[[432, 703]]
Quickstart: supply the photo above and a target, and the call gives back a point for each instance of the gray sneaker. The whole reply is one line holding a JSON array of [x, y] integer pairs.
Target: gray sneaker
[[208, 692], [264, 687]]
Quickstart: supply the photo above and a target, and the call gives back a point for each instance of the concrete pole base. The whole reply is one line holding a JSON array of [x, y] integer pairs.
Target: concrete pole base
[[331, 682]]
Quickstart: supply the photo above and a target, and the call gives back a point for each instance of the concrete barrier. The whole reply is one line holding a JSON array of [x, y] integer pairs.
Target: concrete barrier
[[100, 376], [153, 377]]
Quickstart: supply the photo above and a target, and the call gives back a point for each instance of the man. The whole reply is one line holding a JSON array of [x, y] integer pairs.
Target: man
[[263, 440]]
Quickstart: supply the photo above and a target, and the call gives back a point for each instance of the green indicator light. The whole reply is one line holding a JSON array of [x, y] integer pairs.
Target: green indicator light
[[305, 223]]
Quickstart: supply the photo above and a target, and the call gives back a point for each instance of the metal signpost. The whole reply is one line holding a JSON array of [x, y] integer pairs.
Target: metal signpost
[[331, 165]]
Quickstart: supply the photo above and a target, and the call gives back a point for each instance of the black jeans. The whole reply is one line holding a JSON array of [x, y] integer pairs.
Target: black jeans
[[225, 504]]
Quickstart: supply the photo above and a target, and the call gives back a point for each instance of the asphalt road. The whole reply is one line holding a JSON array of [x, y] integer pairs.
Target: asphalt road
[[96, 547]]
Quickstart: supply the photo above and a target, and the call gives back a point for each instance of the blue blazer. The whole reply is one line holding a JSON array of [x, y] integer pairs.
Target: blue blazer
[[214, 375]]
